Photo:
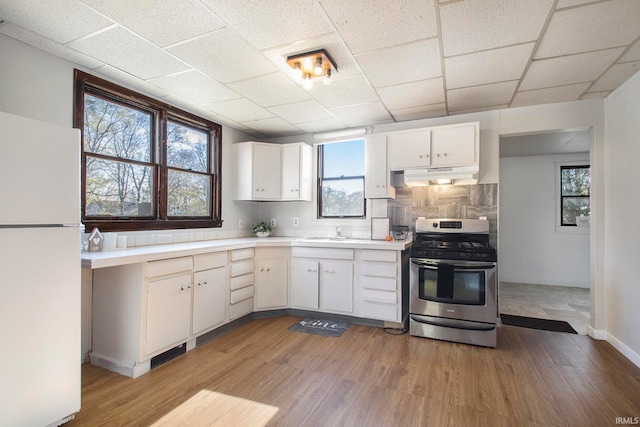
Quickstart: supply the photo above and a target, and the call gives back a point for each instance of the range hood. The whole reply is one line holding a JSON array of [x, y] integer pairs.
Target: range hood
[[460, 175]]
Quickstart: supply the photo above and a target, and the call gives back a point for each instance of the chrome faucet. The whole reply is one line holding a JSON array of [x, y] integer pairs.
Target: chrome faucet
[[339, 230]]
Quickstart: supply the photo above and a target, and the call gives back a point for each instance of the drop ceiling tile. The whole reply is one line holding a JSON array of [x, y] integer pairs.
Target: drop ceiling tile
[[595, 95], [615, 76], [123, 78], [365, 25], [490, 66], [300, 112], [475, 25], [48, 45], [564, 70], [362, 115], [402, 64], [414, 94], [196, 87], [161, 22], [45, 18], [128, 52], [569, 3], [239, 110], [271, 23], [597, 26], [421, 112], [223, 55], [272, 126], [335, 47], [632, 54], [549, 95], [186, 105], [340, 93], [480, 96], [321, 125], [478, 109], [272, 89]]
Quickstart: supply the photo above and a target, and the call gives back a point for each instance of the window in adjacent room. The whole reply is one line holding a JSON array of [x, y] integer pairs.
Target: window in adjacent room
[[575, 201], [341, 179], [145, 164]]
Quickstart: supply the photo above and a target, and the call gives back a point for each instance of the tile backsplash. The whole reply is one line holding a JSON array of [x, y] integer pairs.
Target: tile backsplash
[[446, 201]]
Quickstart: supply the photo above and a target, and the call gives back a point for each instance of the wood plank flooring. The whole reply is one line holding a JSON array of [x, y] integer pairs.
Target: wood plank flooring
[[263, 374]]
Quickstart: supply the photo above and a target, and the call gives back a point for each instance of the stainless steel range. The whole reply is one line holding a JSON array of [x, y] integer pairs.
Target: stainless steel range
[[453, 286]]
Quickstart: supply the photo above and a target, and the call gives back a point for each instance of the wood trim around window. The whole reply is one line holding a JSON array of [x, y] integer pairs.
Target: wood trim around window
[[87, 83]]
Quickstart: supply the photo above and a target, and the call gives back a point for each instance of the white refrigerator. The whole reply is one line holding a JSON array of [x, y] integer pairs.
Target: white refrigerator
[[39, 272]]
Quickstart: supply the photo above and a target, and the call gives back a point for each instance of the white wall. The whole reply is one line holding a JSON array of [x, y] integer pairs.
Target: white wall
[[532, 250], [38, 85], [623, 223]]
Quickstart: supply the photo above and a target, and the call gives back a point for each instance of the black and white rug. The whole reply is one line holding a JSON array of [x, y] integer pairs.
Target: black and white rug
[[324, 327]]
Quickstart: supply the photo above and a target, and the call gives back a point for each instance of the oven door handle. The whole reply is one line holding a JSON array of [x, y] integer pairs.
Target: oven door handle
[[433, 265], [453, 323]]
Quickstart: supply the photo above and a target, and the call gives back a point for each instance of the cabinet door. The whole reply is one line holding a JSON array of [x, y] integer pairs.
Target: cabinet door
[[168, 312], [453, 146], [376, 170], [271, 283], [304, 283], [267, 172], [410, 150], [291, 172], [208, 299], [336, 286]]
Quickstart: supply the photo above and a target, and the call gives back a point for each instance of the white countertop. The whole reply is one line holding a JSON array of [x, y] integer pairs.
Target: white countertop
[[156, 252]]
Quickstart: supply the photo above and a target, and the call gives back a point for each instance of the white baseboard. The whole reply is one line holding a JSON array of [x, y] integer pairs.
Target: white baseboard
[[116, 366], [596, 334], [624, 349]]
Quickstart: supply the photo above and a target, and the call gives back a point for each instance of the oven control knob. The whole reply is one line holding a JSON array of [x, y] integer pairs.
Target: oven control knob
[[435, 225]]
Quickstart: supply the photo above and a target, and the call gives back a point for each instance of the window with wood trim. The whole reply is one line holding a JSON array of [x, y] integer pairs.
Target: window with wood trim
[[575, 194], [341, 180], [145, 164]]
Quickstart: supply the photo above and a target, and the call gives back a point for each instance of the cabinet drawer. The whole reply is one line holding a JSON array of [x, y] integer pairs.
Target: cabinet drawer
[[240, 254], [240, 268], [380, 269], [242, 281], [322, 253], [380, 283], [373, 295], [386, 256], [240, 309], [169, 266], [208, 261], [380, 311], [241, 294]]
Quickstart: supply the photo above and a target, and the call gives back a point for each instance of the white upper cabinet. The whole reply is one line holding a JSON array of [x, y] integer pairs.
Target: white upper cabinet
[[273, 172], [440, 146], [296, 171], [410, 149], [453, 145], [377, 176]]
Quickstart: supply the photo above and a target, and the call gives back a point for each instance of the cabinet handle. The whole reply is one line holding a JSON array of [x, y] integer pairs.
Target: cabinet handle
[[182, 288], [189, 286], [268, 269]]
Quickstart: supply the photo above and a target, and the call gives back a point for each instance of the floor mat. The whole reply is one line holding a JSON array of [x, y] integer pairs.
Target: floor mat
[[533, 323], [326, 328]]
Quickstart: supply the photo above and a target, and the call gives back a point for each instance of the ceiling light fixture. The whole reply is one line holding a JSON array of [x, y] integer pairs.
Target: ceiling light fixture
[[308, 66]]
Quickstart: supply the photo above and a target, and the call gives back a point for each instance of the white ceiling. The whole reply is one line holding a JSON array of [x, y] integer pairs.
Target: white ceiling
[[397, 59]]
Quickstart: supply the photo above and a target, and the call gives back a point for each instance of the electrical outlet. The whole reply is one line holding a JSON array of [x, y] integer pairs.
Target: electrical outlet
[[241, 224], [295, 222], [273, 222]]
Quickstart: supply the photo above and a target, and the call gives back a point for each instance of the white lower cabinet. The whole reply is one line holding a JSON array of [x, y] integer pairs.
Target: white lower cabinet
[[379, 285], [271, 274], [322, 279], [241, 282], [209, 292]]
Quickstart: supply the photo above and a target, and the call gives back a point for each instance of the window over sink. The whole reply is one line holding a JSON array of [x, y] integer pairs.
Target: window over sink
[[145, 164]]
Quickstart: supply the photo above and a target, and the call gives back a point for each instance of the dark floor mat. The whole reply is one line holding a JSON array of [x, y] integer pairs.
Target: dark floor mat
[[533, 323], [326, 328]]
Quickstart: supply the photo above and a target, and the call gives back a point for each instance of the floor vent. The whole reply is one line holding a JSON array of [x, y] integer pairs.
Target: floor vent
[[168, 355]]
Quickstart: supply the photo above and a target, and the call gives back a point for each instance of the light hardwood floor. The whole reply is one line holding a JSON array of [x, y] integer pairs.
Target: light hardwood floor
[[263, 374]]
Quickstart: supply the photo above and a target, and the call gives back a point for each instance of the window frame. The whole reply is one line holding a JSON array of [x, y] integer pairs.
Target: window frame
[[85, 83], [321, 179], [562, 167]]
